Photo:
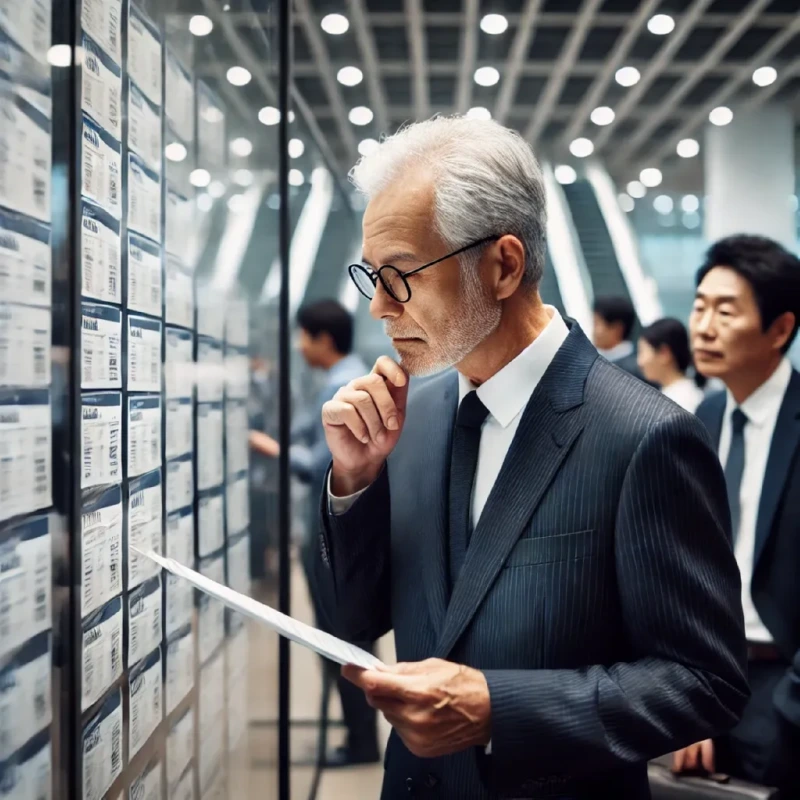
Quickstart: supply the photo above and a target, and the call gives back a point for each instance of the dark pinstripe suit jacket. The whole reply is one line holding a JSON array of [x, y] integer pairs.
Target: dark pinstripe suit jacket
[[599, 594]]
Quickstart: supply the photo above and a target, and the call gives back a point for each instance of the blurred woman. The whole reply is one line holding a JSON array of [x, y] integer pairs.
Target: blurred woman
[[664, 358]]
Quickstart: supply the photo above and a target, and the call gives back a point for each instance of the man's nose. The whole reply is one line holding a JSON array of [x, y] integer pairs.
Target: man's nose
[[383, 305], [704, 325]]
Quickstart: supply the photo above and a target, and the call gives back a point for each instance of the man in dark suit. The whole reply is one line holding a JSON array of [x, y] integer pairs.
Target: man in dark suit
[[745, 317], [614, 319], [558, 619]]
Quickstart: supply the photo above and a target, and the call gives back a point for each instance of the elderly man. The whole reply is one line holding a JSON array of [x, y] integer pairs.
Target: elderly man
[[547, 536]]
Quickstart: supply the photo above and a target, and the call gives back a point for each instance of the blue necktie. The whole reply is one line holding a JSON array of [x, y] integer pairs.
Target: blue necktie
[[472, 414], [734, 468]]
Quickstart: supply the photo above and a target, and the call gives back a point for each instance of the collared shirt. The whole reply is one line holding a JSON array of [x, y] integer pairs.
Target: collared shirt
[[761, 410], [618, 351], [685, 392]]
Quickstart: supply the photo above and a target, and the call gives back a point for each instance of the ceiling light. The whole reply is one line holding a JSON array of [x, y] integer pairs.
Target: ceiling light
[[269, 115], [663, 204], [200, 25], [626, 203], [296, 148], [59, 55], [241, 147], [204, 201], [764, 76], [243, 177], [565, 174], [367, 146], [690, 203], [239, 76], [691, 220], [581, 148], [627, 76], [636, 189], [335, 24], [213, 115], [720, 116], [175, 151], [236, 203], [602, 115], [200, 178], [296, 177], [661, 24], [216, 189], [651, 177], [360, 115], [486, 76], [291, 116], [479, 112], [274, 202], [494, 24], [350, 76], [688, 148]]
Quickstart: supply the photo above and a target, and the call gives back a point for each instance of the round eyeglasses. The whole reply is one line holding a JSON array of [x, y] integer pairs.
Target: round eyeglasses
[[393, 280]]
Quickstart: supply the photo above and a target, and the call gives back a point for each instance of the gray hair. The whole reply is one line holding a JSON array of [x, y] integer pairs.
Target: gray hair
[[486, 178]]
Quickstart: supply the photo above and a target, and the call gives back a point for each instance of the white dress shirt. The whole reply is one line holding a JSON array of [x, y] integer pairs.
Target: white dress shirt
[[618, 351], [685, 392], [761, 409]]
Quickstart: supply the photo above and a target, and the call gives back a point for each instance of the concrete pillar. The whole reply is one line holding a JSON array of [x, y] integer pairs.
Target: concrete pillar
[[750, 175]]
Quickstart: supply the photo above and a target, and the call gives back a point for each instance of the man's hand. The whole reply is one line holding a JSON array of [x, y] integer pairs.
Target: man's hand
[[437, 707], [695, 757], [363, 424], [264, 444]]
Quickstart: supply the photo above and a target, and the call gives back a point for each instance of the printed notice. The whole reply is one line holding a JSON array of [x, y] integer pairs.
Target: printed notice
[[148, 785], [101, 433], [211, 726], [237, 504], [180, 667], [25, 699], [180, 294], [210, 372], [102, 652], [180, 747], [210, 315], [144, 434], [237, 707], [210, 521], [101, 20], [144, 277], [102, 749], [144, 127], [101, 88], [144, 526], [179, 98], [239, 563], [180, 535], [101, 337], [184, 788], [146, 707], [180, 427], [24, 346], [28, 23], [180, 483], [25, 262], [144, 199], [101, 168], [210, 126], [144, 54], [238, 653], [237, 324], [236, 432], [211, 613], [25, 451], [237, 372], [213, 776], [144, 620], [179, 604], [144, 354], [209, 445], [100, 256], [179, 363], [179, 220], [28, 774], [101, 549]]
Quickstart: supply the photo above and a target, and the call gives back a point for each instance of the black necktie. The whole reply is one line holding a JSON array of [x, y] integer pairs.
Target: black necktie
[[472, 414], [734, 468]]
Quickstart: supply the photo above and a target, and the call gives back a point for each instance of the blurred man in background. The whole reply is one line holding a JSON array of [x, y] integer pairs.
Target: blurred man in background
[[744, 320], [326, 342], [614, 319]]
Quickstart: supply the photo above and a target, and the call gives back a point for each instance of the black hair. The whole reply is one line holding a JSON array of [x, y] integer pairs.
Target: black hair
[[331, 317], [616, 309], [771, 270], [671, 333]]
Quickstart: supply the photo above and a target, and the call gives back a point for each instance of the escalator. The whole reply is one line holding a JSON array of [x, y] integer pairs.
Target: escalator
[[548, 288]]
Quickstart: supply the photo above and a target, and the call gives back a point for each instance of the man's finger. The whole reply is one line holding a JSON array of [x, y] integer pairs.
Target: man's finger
[[690, 758], [707, 755], [677, 760], [397, 380], [363, 403], [338, 413], [378, 390]]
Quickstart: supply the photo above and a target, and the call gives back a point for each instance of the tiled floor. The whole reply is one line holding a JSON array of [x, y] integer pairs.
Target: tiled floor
[[257, 769]]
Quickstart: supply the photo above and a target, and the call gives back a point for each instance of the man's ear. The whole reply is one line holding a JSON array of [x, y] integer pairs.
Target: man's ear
[[509, 253]]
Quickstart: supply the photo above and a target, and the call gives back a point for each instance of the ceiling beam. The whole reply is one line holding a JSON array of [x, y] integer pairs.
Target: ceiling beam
[[369, 54], [693, 77], [469, 52], [419, 61], [561, 71], [516, 59]]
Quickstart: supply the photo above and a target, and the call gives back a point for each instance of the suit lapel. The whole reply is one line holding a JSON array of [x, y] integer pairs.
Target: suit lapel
[[550, 424], [711, 414], [785, 441]]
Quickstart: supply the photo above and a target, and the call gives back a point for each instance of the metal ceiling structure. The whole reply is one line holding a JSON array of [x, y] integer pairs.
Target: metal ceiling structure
[[557, 62]]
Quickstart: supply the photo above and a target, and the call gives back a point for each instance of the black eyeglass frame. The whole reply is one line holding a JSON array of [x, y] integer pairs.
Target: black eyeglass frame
[[375, 275]]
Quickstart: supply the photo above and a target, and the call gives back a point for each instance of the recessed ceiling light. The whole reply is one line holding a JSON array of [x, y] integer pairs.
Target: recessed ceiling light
[[486, 76], [691, 220], [565, 174], [213, 115], [627, 76], [661, 24], [367, 146], [494, 24], [269, 115], [581, 148], [59, 55], [236, 203], [690, 203], [291, 116], [296, 177], [636, 189], [688, 148], [204, 201], [243, 177], [239, 76], [200, 178], [720, 116], [360, 115], [602, 115], [335, 24], [241, 147], [350, 76], [296, 148], [651, 177], [175, 151], [479, 112], [626, 203], [663, 204], [200, 25], [216, 189], [764, 76]]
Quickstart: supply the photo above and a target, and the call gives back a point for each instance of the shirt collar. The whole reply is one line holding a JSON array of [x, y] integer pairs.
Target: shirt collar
[[765, 402], [506, 393], [618, 351]]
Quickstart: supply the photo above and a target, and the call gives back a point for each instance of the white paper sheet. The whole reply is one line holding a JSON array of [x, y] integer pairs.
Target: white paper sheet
[[320, 642]]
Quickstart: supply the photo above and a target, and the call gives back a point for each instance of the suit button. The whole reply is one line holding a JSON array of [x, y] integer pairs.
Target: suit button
[[410, 785], [431, 780]]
